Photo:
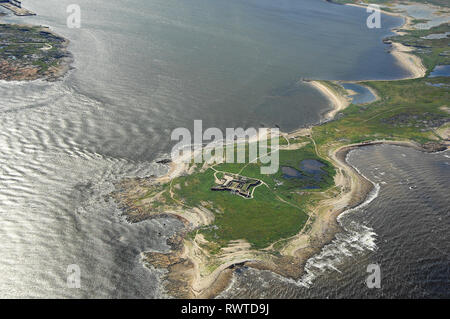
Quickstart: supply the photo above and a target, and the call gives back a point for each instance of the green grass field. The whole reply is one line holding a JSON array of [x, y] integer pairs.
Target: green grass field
[[275, 212], [30, 46], [407, 110]]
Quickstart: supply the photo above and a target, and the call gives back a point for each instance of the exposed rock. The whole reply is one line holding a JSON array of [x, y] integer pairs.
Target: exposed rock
[[31, 53], [164, 161], [434, 147]]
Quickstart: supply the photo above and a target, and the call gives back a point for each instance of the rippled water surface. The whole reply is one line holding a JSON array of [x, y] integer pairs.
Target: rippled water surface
[[403, 227], [143, 68]]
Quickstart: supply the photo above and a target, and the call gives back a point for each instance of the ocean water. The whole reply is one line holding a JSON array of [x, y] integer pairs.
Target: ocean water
[[402, 228], [143, 68]]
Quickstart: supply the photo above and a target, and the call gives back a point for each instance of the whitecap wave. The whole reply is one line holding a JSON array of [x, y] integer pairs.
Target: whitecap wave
[[356, 238]]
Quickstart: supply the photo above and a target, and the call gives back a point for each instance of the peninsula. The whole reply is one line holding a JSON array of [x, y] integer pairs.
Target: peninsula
[[32, 52], [15, 6], [289, 216]]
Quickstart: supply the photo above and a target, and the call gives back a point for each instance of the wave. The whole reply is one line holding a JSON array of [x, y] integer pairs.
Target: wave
[[355, 239]]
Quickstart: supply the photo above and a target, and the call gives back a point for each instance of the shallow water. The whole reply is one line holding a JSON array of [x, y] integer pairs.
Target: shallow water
[[439, 85], [144, 68], [363, 94], [403, 229], [440, 70], [290, 172], [311, 166], [422, 11], [437, 36]]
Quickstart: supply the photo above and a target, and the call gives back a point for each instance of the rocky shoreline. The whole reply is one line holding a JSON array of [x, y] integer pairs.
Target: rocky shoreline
[[32, 52], [182, 271], [18, 11], [184, 279]]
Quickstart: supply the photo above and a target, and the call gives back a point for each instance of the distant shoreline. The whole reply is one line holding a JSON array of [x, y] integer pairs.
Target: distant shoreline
[[50, 61], [338, 101], [21, 12], [187, 263], [408, 61]]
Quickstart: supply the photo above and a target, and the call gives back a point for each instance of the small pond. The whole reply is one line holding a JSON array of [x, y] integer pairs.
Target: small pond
[[435, 36], [440, 70], [308, 169], [362, 94]]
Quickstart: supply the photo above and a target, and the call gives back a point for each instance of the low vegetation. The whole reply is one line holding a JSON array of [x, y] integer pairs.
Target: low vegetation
[[29, 52], [414, 110]]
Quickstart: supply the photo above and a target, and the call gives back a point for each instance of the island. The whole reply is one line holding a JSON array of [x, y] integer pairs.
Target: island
[[32, 52], [235, 216], [15, 6]]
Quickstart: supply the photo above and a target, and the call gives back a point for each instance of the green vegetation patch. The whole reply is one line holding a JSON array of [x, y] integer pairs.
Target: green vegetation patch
[[432, 51], [406, 110], [278, 209], [29, 47]]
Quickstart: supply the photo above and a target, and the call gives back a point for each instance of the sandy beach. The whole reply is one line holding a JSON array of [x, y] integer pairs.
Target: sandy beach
[[338, 102], [374, 93], [408, 61], [201, 278]]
